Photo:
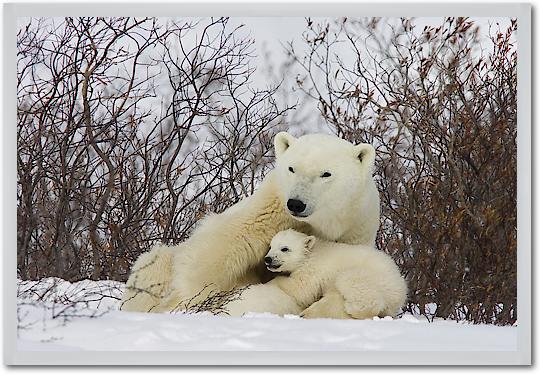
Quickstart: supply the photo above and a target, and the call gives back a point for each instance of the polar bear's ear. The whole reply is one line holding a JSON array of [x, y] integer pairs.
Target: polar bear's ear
[[366, 154], [282, 141], [309, 242]]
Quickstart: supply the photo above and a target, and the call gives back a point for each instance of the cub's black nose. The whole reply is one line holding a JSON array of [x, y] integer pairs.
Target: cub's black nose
[[268, 260], [296, 206]]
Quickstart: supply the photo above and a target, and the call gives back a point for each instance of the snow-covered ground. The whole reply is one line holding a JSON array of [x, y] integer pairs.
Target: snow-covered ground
[[57, 315]]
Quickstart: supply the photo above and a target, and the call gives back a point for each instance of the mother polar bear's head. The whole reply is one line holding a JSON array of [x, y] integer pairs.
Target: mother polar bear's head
[[321, 176]]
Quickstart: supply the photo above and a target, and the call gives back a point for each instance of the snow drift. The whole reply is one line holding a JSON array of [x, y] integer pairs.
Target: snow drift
[[57, 315]]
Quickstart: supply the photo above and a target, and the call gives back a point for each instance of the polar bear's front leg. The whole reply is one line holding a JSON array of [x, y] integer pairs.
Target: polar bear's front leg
[[149, 280], [331, 305], [363, 294], [263, 298], [168, 304], [303, 288]]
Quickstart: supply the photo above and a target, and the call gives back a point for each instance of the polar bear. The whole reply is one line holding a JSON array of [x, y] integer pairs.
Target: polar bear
[[356, 281], [321, 185]]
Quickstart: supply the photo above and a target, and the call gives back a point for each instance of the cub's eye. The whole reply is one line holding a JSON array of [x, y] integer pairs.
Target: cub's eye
[[291, 169], [284, 249], [325, 175]]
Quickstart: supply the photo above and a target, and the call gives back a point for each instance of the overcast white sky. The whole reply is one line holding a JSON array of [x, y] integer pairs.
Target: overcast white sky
[[272, 32]]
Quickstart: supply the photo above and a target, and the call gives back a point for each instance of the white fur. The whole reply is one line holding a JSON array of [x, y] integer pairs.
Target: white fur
[[149, 280], [261, 298], [225, 248], [331, 280], [343, 207]]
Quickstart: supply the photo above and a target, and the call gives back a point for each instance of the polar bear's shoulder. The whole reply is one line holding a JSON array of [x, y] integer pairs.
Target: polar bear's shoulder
[[338, 256]]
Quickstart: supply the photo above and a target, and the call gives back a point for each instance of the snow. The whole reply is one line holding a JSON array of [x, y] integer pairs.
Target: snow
[[58, 315]]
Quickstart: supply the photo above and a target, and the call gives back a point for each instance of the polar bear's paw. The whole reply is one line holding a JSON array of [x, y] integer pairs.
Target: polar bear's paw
[[366, 308], [329, 306]]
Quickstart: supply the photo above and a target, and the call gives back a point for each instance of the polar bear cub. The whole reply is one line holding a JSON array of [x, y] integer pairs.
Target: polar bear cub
[[356, 281]]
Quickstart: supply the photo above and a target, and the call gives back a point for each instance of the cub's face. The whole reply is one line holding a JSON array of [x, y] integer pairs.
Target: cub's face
[[319, 175], [288, 251]]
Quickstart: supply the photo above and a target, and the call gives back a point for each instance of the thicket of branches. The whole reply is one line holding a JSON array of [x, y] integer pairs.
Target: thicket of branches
[[441, 113], [130, 130]]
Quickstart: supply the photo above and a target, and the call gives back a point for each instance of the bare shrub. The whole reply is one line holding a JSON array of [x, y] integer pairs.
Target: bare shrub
[[59, 302], [441, 113], [214, 303], [129, 131]]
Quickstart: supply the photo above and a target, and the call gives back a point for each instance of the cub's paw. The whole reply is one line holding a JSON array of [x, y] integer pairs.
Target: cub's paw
[[327, 307]]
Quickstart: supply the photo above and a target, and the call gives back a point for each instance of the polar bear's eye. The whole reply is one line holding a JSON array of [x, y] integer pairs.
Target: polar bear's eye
[[284, 249], [325, 175], [291, 169]]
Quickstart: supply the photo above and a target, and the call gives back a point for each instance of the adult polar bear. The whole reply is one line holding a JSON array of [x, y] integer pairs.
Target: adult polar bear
[[321, 185]]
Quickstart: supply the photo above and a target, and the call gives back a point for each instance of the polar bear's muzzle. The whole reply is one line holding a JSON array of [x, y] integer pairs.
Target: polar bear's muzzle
[[297, 208], [271, 264]]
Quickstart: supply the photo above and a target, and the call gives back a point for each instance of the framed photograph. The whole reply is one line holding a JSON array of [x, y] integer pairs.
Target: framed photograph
[[267, 184]]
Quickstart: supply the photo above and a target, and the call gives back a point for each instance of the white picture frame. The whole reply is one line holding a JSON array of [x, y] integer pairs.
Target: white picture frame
[[522, 356]]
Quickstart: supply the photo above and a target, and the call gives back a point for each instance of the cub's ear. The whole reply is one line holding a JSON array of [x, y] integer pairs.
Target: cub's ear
[[282, 141], [309, 242], [365, 153]]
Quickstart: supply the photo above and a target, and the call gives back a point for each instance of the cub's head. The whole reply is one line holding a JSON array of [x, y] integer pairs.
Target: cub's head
[[319, 175], [288, 251]]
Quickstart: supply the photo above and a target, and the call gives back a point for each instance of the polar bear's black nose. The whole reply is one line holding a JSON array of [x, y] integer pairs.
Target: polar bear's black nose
[[296, 206], [268, 260]]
